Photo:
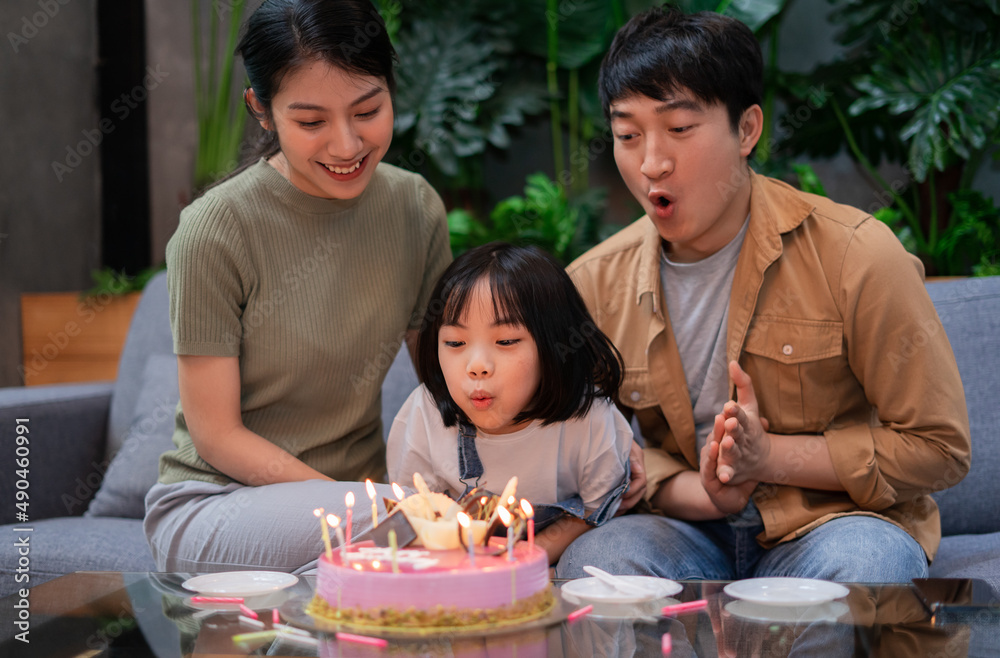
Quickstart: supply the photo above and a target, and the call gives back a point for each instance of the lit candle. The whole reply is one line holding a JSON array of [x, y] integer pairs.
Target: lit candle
[[508, 491], [326, 532], [370, 488], [394, 550], [530, 514], [466, 522], [398, 490], [505, 518], [334, 520], [349, 501]]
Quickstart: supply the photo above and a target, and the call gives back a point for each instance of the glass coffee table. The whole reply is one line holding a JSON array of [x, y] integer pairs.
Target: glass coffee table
[[87, 614]]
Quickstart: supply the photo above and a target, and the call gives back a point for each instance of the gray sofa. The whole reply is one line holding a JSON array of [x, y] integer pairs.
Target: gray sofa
[[94, 448]]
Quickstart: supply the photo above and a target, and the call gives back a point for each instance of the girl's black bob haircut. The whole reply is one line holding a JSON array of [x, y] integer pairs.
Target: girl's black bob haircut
[[663, 50], [578, 363]]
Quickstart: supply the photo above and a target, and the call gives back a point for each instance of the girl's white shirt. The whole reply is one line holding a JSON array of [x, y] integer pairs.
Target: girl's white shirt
[[587, 456]]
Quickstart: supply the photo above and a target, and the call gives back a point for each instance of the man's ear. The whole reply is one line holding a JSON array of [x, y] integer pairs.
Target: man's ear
[[256, 109], [751, 126]]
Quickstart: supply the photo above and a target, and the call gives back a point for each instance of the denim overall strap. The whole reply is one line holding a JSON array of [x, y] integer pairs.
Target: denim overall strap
[[469, 465]]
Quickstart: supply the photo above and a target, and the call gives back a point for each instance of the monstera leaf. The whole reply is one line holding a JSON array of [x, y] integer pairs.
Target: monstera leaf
[[445, 72], [948, 87]]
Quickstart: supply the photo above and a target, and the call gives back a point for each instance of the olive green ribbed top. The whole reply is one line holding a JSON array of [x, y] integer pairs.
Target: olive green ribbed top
[[314, 296]]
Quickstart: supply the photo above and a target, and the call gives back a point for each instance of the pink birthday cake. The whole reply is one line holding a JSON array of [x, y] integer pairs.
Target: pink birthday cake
[[434, 583], [432, 588]]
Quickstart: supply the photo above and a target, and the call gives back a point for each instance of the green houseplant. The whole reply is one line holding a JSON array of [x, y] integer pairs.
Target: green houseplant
[[918, 87], [220, 115], [470, 72]]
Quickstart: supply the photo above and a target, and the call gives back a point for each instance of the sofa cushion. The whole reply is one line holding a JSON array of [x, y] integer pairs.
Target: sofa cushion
[[969, 556], [970, 312], [399, 383], [148, 335], [61, 546], [135, 467]]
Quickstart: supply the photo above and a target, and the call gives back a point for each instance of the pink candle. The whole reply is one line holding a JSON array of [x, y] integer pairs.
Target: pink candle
[[667, 644], [349, 501], [216, 599], [690, 606], [530, 513], [362, 639]]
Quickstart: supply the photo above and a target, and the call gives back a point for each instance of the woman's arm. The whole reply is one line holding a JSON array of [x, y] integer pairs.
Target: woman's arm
[[210, 398]]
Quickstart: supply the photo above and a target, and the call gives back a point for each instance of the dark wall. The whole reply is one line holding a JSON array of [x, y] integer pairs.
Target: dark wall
[[50, 210]]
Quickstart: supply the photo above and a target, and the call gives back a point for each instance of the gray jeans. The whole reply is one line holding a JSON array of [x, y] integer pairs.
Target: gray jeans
[[199, 527]]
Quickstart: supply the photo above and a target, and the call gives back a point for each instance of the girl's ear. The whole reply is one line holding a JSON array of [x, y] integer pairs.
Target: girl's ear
[[256, 109]]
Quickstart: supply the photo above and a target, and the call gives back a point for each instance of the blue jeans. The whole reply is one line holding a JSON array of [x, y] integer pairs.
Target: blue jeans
[[846, 549]]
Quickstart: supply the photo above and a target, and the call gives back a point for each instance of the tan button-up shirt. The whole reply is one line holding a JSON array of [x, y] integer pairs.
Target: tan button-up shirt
[[830, 318]]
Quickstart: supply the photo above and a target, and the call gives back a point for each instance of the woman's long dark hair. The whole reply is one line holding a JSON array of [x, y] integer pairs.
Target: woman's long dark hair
[[282, 35]]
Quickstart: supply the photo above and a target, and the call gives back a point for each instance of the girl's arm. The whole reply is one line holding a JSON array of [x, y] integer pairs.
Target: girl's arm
[[556, 537], [210, 398]]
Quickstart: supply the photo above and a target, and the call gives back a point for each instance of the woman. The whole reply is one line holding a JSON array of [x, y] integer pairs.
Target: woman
[[292, 284]]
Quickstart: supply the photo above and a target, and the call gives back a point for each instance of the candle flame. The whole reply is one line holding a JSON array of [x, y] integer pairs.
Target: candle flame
[[463, 519], [505, 517], [370, 488], [398, 490], [318, 512], [376, 564], [349, 499], [333, 520], [511, 501], [526, 506]]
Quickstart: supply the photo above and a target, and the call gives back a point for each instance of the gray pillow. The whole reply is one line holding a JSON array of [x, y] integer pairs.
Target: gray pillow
[[135, 467]]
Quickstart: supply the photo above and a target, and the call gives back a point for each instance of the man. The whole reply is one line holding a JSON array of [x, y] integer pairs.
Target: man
[[805, 311]]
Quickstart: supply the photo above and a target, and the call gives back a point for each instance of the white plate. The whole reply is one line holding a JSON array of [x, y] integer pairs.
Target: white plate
[[240, 583], [785, 591], [593, 590], [830, 611]]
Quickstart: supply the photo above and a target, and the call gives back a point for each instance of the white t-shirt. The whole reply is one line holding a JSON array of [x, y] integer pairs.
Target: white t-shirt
[[586, 456]]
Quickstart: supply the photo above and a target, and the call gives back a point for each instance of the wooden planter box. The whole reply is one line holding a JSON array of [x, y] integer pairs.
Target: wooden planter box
[[67, 338]]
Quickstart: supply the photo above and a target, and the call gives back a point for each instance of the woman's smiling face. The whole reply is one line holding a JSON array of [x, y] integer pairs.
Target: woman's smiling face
[[334, 127]]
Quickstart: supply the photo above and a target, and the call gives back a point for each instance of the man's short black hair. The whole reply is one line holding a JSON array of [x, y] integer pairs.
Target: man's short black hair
[[577, 362], [663, 50]]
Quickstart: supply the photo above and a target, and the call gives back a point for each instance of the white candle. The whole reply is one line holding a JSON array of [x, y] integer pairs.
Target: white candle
[[466, 523], [370, 488], [349, 501], [505, 518], [394, 549], [334, 520], [326, 533]]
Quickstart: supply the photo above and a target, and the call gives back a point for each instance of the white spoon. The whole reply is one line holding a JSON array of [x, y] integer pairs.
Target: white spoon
[[617, 582]]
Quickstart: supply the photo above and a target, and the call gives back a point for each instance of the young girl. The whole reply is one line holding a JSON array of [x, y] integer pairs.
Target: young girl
[[288, 284], [516, 382]]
